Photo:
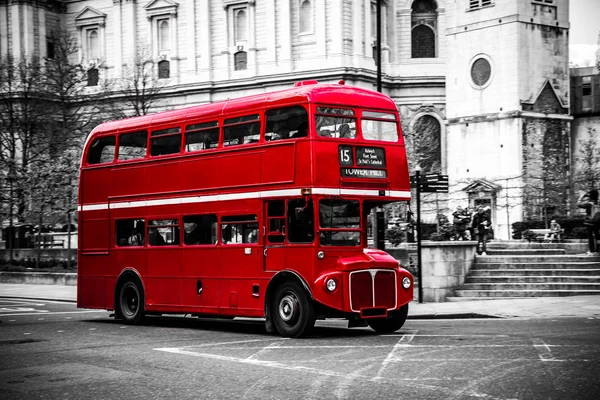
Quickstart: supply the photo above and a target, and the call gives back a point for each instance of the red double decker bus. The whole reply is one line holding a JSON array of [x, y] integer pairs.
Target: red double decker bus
[[252, 207]]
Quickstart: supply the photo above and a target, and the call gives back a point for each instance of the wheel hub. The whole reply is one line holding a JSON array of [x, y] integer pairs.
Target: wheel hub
[[288, 307]]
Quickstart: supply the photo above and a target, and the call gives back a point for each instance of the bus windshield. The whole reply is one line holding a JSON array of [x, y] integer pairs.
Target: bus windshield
[[340, 222]]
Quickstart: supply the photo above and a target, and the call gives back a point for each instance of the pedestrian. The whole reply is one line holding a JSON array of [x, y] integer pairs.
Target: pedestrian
[[481, 224], [461, 220], [589, 202]]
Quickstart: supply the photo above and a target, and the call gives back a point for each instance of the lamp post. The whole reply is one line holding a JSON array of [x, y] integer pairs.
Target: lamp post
[[419, 265]]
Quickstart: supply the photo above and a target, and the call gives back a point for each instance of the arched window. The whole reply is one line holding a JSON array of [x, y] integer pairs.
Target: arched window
[[426, 140], [306, 17], [240, 60], [241, 30], [92, 77], [424, 28], [164, 69], [93, 43], [164, 35], [423, 42]]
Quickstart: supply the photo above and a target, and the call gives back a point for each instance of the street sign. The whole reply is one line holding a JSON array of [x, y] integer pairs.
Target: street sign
[[431, 183]]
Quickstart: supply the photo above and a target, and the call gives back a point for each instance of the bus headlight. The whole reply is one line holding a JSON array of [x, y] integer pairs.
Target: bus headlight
[[331, 284], [405, 282]]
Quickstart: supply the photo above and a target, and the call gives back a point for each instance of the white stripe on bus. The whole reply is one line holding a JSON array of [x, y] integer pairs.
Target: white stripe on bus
[[239, 196]]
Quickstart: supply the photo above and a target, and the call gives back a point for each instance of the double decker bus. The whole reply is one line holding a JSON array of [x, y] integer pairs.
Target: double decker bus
[[250, 207]]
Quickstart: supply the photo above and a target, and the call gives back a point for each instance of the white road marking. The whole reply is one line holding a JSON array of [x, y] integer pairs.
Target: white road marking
[[403, 342], [46, 312], [270, 364], [544, 351]]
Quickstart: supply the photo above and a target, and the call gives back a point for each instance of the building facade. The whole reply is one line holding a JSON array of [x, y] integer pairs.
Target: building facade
[[482, 85]]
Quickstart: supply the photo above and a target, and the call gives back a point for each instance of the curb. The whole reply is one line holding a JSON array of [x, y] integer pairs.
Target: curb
[[40, 278]]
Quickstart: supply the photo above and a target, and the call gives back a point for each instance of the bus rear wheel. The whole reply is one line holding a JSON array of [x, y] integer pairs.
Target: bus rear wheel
[[392, 323], [130, 302], [292, 311]]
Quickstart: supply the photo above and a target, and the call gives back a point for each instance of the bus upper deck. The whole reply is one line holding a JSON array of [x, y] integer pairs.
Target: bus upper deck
[[335, 139]]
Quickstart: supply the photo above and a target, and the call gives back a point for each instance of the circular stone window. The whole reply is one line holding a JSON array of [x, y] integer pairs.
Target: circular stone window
[[481, 72]]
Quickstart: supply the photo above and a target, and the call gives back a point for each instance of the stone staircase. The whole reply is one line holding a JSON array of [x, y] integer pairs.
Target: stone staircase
[[520, 269]]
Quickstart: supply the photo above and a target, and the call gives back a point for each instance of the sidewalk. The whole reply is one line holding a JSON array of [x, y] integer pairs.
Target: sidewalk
[[538, 307]]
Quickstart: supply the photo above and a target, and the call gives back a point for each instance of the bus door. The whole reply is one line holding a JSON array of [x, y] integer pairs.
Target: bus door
[[289, 235], [274, 235], [240, 266], [163, 264]]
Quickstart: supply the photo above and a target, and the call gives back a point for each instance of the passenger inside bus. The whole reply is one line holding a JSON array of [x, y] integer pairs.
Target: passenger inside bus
[[154, 236], [345, 131], [191, 233]]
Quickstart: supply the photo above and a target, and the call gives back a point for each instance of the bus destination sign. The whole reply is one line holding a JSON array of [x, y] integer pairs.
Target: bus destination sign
[[370, 157], [363, 173]]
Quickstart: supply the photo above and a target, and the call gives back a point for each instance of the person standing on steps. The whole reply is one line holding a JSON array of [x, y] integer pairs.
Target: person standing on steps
[[481, 224], [589, 202]]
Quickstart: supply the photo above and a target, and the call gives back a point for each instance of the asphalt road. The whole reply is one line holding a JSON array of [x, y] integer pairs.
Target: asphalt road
[[53, 350]]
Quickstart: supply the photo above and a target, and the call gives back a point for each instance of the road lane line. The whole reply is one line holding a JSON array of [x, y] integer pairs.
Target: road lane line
[[269, 364], [46, 312], [544, 351], [403, 342], [272, 346]]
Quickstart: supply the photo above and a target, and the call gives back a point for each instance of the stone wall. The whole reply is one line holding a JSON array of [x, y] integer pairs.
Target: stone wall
[[445, 266]]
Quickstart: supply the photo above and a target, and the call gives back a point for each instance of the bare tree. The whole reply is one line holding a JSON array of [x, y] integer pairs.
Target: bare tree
[[588, 159], [140, 87]]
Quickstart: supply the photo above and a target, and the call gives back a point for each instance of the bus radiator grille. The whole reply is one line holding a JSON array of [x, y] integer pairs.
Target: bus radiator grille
[[372, 290]]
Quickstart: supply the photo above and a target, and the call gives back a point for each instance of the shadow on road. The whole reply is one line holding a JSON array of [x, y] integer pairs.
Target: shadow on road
[[323, 329]]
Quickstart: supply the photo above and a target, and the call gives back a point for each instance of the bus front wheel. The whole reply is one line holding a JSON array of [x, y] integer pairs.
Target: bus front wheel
[[130, 302], [292, 311], [392, 323]]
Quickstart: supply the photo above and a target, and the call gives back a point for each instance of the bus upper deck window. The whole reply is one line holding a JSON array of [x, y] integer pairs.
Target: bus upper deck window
[[133, 145], [202, 136], [165, 141], [241, 130], [379, 126], [336, 122], [102, 150], [286, 123]]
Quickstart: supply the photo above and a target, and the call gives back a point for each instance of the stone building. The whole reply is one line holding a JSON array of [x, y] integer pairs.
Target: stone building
[[482, 85]]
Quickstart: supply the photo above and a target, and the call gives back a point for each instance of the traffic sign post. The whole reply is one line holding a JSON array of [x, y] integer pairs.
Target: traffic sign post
[[428, 183]]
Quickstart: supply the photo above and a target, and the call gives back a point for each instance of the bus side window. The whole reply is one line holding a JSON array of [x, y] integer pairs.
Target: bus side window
[[242, 130], [301, 226], [276, 221], [102, 150], [163, 232], [286, 123], [202, 136], [236, 229], [130, 232], [200, 229], [133, 145], [165, 141]]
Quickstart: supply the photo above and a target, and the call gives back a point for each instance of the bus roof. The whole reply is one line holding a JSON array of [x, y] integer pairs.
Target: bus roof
[[304, 92]]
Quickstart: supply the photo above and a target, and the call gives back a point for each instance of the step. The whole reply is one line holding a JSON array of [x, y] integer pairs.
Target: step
[[522, 293], [534, 272], [531, 286], [525, 252], [532, 279], [536, 265], [535, 259]]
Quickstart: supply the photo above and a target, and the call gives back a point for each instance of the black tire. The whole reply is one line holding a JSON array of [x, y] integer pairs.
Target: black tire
[[130, 302], [392, 323], [292, 311]]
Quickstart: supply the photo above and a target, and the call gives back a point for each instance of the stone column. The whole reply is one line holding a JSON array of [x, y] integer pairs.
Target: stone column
[[190, 15], [205, 62], [117, 42], [320, 29], [285, 24]]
